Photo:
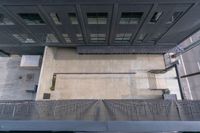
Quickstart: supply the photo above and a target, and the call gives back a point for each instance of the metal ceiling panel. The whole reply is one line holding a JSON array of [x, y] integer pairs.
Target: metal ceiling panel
[[96, 28], [130, 28], [159, 21], [38, 30], [64, 24], [138, 23]]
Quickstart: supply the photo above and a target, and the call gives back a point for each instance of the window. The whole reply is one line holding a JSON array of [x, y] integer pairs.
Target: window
[[66, 37], [32, 18], [97, 37], [155, 37], [174, 17], [55, 18], [123, 37], [130, 17], [155, 17], [73, 18], [97, 18], [23, 38], [79, 37], [142, 37], [5, 21], [51, 38]]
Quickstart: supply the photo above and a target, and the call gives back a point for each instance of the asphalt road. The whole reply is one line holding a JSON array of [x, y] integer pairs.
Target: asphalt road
[[190, 63]]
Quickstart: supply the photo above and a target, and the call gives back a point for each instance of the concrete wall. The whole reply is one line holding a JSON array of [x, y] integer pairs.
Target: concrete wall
[[58, 60]]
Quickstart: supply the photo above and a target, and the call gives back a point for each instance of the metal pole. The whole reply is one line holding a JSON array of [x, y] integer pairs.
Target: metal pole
[[189, 75]]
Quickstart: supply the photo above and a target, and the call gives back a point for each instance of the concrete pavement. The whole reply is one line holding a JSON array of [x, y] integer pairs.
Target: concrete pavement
[[14, 80], [190, 64]]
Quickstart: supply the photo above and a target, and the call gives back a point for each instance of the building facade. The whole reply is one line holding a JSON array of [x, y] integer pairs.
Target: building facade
[[94, 26]]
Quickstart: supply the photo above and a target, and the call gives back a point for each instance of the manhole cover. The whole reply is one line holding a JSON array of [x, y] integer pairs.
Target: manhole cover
[[30, 77]]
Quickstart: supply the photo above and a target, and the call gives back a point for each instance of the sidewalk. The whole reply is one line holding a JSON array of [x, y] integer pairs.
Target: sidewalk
[[14, 81]]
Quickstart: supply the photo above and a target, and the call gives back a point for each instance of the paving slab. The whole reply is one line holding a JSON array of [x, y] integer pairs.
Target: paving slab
[[74, 82], [14, 80]]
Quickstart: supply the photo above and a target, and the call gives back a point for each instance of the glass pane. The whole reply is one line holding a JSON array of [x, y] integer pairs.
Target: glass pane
[[174, 17], [102, 15], [101, 39], [126, 38], [55, 18], [92, 21], [97, 18], [68, 40], [101, 35], [141, 37], [98, 37], [134, 21], [73, 18], [5, 21], [23, 38], [124, 20], [128, 35], [66, 37], [79, 37], [120, 35], [93, 35], [121, 41], [155, 17], [118, 38], [101, 20], [51, 38], [94, 39], [31, 18], [131, 14], [154, 37], [130, 17], [92, 15]]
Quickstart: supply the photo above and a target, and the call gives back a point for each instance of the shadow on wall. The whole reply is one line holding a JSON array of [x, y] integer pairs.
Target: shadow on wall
[[75, 56]]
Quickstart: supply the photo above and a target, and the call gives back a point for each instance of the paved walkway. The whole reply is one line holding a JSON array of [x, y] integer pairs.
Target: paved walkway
[[190, 63], [141, 85], [14, 81]]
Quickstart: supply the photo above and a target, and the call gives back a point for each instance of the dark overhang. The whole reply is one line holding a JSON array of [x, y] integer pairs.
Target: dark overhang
[[154, 26]]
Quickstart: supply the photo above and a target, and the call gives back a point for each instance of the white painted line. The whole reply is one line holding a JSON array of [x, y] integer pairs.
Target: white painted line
[[191, 40], [183, 65], [188, 84], [198, 64]]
